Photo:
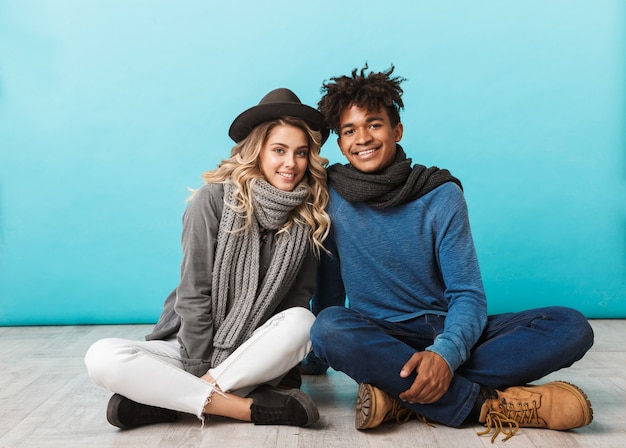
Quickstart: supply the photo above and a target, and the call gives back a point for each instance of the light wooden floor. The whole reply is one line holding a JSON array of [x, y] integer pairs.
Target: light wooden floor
[[47, 400]]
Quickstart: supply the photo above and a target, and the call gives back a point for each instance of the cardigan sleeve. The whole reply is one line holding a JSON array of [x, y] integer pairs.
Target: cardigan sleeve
[[301, 291], [329, 290], [193, 295]]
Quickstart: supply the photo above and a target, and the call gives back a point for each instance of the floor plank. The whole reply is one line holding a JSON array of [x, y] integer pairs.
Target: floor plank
[[47, 400]]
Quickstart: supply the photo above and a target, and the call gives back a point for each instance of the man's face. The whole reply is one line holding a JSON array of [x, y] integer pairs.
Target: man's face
[[367, 138]]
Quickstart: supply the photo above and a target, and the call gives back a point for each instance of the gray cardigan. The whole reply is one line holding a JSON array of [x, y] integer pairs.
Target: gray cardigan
[[187, 310]]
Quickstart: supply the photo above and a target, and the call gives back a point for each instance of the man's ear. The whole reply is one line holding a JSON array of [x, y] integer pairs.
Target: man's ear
[[398, 130], [339, 144]]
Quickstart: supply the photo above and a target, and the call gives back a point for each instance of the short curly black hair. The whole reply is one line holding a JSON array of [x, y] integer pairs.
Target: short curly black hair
[[372, 92]]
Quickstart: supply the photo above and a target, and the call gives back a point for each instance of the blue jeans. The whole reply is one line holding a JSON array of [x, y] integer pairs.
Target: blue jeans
[[514, 349]]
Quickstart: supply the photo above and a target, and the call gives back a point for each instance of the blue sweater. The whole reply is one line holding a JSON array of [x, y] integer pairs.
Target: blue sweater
[[405, 261]]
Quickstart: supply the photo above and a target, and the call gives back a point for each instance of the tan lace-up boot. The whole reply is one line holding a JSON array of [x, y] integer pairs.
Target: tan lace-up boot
[[557, 405], [373, 407]]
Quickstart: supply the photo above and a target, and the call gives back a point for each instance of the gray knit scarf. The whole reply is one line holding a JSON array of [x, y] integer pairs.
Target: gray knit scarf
[[240, 304], [397, 184]]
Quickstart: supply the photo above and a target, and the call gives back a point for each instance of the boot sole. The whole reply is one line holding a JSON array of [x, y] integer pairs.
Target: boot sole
[[585, 404], [112, 411], [365, 407]]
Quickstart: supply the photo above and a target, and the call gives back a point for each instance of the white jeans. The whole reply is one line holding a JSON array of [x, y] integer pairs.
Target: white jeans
[[151, 372]]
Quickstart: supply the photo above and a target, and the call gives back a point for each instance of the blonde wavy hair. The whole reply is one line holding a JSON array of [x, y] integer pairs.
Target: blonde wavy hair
[[242, 168]]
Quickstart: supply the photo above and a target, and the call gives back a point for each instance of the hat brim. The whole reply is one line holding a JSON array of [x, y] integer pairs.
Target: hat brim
[[251, 118]]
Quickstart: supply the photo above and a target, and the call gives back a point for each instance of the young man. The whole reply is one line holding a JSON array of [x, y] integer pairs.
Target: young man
[[415, 334]]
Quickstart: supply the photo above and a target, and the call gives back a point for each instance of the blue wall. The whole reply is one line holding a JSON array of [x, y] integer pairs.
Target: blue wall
[[109, 110]]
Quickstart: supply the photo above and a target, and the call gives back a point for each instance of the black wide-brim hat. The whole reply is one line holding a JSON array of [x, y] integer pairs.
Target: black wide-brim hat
[[278, 103]]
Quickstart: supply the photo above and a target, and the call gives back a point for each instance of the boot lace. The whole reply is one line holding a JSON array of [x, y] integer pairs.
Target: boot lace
[[523, 413], [400, 413], [512, 415], [500, 423], [403, 414]]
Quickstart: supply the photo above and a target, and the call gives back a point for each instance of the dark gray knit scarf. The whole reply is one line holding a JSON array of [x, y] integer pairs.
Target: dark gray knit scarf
[[239, 303], [397, 184]]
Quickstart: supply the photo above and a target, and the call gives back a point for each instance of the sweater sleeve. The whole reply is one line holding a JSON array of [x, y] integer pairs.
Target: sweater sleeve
[[467, 305], [193, 295]]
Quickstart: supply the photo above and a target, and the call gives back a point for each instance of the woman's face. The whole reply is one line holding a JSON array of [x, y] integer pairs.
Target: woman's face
[[284, 157]]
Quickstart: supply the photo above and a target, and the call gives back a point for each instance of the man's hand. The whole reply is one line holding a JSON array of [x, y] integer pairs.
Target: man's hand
[[433, 378]]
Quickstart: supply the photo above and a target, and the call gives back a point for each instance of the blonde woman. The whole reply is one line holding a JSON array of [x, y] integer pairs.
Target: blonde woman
[[232, 332]]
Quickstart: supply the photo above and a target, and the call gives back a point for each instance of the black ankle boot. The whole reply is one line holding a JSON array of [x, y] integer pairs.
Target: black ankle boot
[[126, 413], [292, 380], [273, 406]]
